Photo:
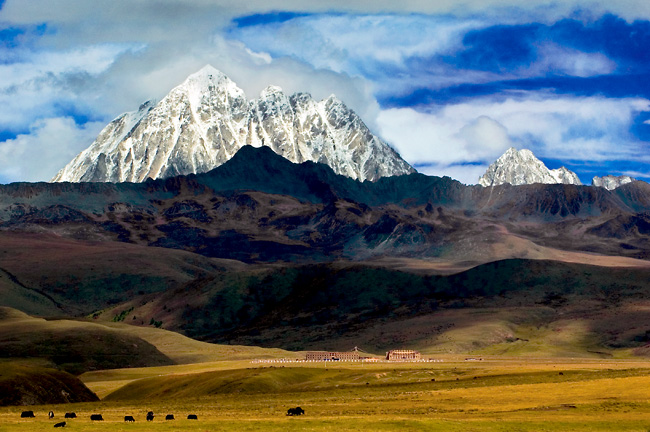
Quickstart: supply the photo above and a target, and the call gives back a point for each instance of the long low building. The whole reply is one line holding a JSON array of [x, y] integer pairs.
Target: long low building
[[332, 355]]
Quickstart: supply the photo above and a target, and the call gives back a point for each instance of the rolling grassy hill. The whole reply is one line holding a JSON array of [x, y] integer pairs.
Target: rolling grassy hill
[[184, 350], [73, 346], [22, 384], [37, 354], [81, 345]]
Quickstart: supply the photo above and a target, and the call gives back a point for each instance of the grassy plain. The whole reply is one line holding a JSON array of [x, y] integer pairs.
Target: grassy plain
[[495, 394]]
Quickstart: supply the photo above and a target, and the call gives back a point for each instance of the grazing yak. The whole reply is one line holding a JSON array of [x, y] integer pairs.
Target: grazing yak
[[150, 416], [96, 417], [27, 414], [70, 415], [169, 417], [192, 417], [129, 419], [62, 424], [50, 414], [295, 411]]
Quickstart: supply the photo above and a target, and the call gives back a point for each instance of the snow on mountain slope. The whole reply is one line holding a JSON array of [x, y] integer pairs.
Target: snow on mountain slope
[[611, 182], [204, 121], [522, 167]]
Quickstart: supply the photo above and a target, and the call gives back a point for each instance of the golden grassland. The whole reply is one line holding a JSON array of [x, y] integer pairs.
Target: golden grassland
[[495, 394]]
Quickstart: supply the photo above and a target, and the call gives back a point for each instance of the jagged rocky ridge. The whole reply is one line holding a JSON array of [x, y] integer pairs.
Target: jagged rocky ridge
[[204, 121], [519, 167]]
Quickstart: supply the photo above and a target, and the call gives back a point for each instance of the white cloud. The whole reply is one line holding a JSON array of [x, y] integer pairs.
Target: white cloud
[[633, 174], [466, 135], [484, 137], [562, 60], [42, 83], [40, 154]]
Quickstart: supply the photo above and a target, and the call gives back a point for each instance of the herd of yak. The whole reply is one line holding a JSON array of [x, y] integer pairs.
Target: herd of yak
[[98, 417], [130, 419]]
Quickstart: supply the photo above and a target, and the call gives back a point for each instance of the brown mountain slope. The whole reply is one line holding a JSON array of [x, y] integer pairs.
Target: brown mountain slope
[[50, 275]]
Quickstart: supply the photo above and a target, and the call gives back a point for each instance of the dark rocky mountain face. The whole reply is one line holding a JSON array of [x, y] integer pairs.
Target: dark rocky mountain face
[[259, 207]]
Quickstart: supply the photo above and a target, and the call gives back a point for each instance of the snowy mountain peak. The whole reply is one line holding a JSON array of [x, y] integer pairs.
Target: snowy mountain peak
[[207, 73], [209, 79], [205, 120], [205, 78], [611, 182], [519, 167]]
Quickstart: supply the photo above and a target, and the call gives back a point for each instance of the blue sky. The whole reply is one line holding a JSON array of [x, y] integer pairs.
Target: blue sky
[[450, 85]]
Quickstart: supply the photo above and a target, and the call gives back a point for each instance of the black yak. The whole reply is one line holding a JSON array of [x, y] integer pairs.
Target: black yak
[[129, 419], [27, 414], [50, 414], [150, 416], [96, 417], [169, 417], [192, 417], [295, 411], [70, 415], [61, 424]]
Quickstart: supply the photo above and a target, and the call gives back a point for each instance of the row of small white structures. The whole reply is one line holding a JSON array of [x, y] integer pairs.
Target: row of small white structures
[[345, 361]]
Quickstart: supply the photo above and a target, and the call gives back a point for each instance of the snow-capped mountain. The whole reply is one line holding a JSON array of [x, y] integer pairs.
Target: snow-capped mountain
[[611, 182], [204, 121], [519, 167]]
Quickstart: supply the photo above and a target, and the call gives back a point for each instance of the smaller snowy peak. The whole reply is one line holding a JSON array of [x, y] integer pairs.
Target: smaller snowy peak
[[565, 176], [611, 182], [273, 97], [271, 91], [520, 167]]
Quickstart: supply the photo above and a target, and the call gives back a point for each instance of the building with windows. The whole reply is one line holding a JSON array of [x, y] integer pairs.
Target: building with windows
[[333, 355], [403, 355]]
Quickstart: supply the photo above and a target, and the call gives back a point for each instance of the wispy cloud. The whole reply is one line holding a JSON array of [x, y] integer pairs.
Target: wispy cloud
[[406, 54]]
